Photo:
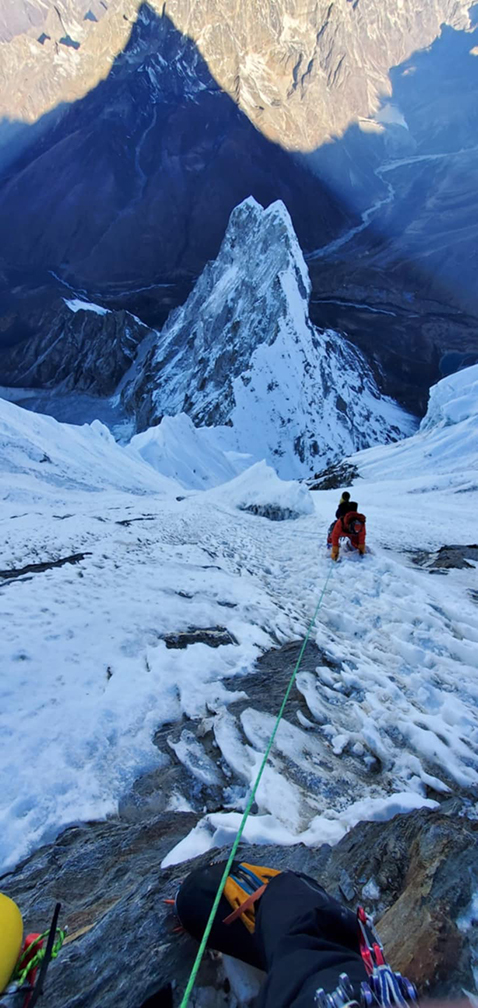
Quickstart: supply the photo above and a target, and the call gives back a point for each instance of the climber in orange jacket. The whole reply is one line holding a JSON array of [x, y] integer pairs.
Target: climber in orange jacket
[[351, 525]]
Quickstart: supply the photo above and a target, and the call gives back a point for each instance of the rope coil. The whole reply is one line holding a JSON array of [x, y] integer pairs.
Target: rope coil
[[22, 971]]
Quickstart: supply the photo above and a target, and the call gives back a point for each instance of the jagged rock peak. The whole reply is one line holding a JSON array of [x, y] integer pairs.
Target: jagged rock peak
[[235, 306], [243, 353], [271, 234]]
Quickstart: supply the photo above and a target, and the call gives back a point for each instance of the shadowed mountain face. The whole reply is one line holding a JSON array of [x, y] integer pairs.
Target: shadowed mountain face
[[132, 186], [300, 72], [403, 283], [139, 177]]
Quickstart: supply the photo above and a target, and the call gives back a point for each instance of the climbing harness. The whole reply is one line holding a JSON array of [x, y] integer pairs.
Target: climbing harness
[[250, 802]]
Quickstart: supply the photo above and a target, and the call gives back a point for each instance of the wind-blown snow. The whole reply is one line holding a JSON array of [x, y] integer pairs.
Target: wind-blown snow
[[391, 705]]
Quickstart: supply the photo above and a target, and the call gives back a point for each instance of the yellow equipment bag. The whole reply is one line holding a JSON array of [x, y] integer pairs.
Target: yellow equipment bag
[[11, 935]]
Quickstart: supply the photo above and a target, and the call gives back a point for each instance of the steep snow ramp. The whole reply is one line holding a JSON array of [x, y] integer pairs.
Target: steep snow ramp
[[242, 352], [443, 453], [37, 449], [393, 690], [178, 449]]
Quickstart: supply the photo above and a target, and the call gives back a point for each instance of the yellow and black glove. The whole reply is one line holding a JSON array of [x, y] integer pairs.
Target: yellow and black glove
[[335, 553], [361, 549]]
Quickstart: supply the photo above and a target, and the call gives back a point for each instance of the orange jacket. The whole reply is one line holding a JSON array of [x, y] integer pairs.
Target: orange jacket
[[341, 526]]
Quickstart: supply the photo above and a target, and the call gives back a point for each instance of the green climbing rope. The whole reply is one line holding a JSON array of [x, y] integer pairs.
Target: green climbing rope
[[207, 930], [22, 971]]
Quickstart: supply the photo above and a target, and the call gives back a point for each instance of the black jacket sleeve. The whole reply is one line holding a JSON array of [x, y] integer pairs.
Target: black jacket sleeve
[[307, 939]]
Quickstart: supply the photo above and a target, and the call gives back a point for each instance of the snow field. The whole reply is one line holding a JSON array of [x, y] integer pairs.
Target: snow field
[[391, 720]]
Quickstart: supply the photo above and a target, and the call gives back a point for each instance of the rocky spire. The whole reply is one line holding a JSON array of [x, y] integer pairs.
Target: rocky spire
[[243, 353]]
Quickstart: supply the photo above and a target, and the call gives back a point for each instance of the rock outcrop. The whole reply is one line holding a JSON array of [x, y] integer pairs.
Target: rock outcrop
[[67, 344], [416, 873]]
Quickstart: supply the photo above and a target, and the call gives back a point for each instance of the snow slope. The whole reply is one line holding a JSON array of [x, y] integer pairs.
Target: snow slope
[[38, 450], [444, 451], [397, 692], [391, 705]]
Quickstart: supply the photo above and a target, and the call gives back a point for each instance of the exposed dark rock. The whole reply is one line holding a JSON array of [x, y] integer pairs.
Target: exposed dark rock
[[446, 558], [38, 568], [128, 521], [212, 636], [43, 343], [335, 477], [420, 871], [271, 511], [165, 137], [427, 337]]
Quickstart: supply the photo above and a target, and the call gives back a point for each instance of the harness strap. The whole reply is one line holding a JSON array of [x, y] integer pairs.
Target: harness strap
[[248, 903]]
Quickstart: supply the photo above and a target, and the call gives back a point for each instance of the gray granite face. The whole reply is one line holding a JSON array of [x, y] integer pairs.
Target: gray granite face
[[416, 873]]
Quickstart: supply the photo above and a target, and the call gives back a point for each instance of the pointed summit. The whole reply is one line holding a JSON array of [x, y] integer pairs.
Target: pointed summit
[[242, 352]]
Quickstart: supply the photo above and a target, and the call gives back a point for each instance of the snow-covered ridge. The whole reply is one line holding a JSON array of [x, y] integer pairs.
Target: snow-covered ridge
[[453, 399], [243, 355], [443, 453], [37, 451], [178, 449]]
